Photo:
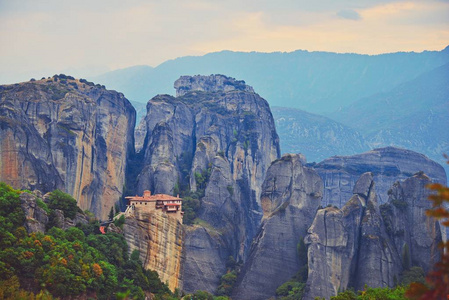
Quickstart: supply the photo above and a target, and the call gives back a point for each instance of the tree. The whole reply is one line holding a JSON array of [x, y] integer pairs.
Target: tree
[[64, 202], [111, 214]]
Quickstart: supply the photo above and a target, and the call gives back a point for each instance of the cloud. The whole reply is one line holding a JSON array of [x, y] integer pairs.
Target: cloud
[[54, 35], [349, 14]]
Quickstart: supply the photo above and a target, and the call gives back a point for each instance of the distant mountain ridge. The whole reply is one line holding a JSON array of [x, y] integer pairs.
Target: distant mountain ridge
[[413, 115], [315, 136], [319, 82]]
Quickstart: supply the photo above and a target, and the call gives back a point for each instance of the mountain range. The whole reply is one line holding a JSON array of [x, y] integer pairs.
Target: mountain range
[[318, 82]]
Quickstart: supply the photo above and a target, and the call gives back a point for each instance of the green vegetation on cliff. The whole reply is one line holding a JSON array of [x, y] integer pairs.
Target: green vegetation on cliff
[[368, 293], [67, 263]]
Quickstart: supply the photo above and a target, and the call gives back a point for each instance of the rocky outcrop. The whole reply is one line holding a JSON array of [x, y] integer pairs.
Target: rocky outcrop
[[36, 218], [407, 224], [59, 220], [217, 138], [159, 239], [63, 133], [212, 83], [362, 244], [291, 194], [349, 247], [388, 165]]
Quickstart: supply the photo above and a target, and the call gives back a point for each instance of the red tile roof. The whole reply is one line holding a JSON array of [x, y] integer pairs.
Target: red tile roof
[[155, 197]]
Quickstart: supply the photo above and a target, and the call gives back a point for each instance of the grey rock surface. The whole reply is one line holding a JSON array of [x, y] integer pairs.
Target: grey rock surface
[[205, 253], [61, 133], [212, 83], [349, 247], [36, 218], [367, 244], [407, 224], [291, 194], [114, 229], [388, 165], [220, 130], [65, 223]]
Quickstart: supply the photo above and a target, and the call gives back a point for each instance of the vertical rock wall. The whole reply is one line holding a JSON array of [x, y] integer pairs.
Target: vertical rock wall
[[363, 244], [65, 134], [220, 129], [291, 195], [159, 239]]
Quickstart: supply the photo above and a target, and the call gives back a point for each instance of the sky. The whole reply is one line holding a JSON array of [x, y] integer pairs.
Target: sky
[[90, 37]]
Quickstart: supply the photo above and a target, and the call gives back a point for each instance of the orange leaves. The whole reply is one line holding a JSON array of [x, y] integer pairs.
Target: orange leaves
[[442, 193], [97, 270], [28, 254], [37, 243], [63, 261]]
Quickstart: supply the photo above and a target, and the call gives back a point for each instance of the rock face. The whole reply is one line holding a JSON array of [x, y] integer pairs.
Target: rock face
[[362, 244], [388, 165], [159, 240], [66, 134], [212, 83], [35, 217], [217, 138], [65, 223], [291, 194], [407, 224], [349, 247]]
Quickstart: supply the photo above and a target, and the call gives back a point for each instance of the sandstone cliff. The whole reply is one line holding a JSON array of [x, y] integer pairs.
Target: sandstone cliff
[[159, 239], [67, 134], [291, 194], [339, 173], [361, 244], [216, 138]]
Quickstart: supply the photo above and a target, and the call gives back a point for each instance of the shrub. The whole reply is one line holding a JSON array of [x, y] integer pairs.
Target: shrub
[[64, 202]]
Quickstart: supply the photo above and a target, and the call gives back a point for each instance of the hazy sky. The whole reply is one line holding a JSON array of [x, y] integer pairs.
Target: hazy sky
[[39, 38]]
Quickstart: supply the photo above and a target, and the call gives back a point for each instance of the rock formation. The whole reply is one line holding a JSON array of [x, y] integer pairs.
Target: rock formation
[[67, 134], [36, 218], [291, 194], [159, 240], [388, 165], [216, 138], [213, 83], [361, 244], [407, 224]]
